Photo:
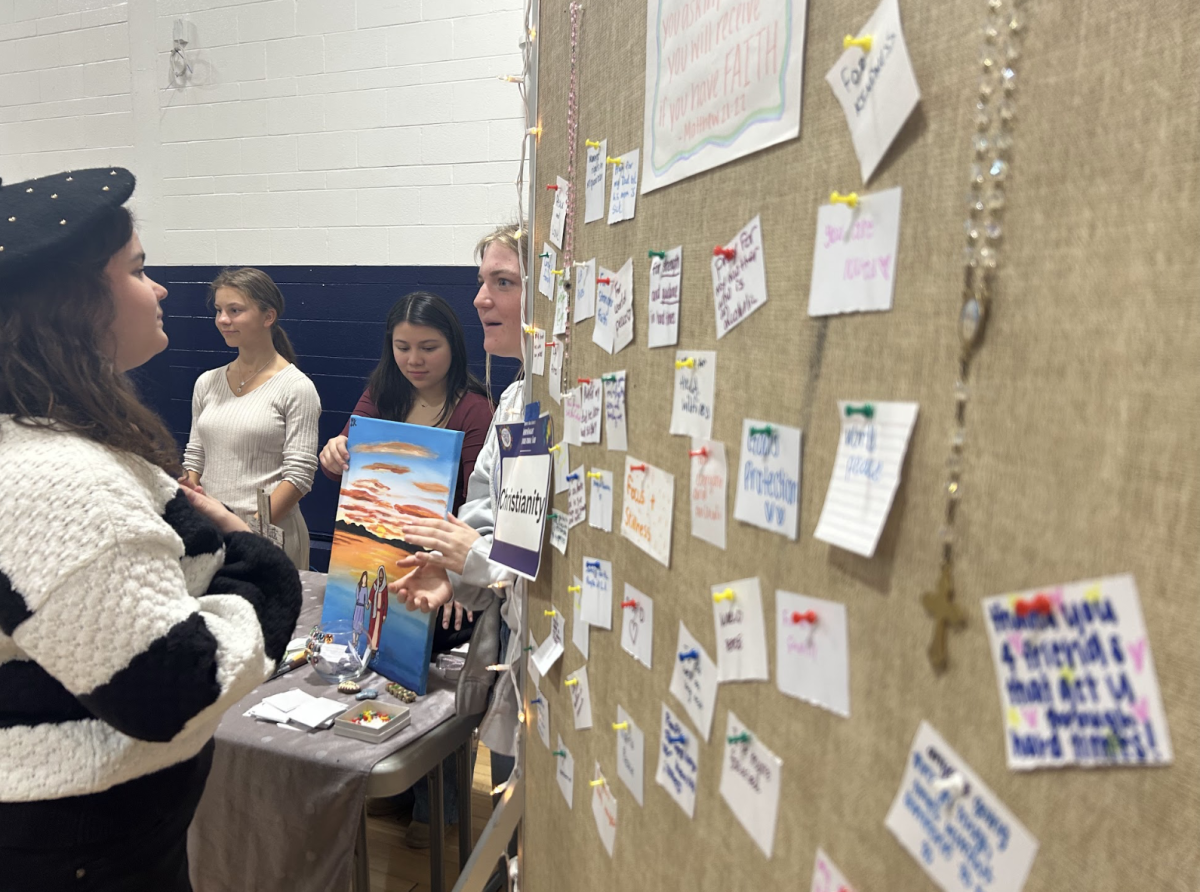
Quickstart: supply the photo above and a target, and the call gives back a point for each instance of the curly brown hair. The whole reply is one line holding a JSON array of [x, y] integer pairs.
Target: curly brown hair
[[56, 351]]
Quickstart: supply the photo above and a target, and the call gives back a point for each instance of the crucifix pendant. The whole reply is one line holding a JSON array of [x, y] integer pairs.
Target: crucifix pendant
[[940, 605]]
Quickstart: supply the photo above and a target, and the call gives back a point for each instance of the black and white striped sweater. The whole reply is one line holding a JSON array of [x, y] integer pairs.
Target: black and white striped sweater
[[128, 625]]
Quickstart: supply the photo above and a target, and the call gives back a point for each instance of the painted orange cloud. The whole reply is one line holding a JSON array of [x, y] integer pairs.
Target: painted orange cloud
[[424, 486], [396, 448], [385, 466], [417, 511]]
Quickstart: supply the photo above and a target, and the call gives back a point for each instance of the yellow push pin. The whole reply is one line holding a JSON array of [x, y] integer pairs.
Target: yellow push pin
[[549, 613], [689, 363], [592, 143], [530, 330], [571, 682], [1092, 594], [595, 475], [596, 783], [612, 160], [863, 43], [555, 448], [534, 131], [838, 198], [620, 726], [1014, 717], [727, 595], [556, 272], [574, 589]]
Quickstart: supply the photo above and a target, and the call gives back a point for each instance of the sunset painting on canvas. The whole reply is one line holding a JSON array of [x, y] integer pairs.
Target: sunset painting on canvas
[[397, 471]]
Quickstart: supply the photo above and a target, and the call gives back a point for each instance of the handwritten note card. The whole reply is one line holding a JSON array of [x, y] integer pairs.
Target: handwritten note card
[[543, 716], [827, 877], [647, 514], [600, 512], [576, 498], [579, 626], [695, 393], [741, 632], [768, 493], [709, 474], [572, 417], [614, 412], [604, 331], [597, 592], [750, 783], [678, 761], [866, 473], [593, 194], [581, 698], [665, 278], [562, 465], [740, 282], [854, 260], [537, 359], [555, 381], [585, 290], [591, 412], [637, 626], [535, 677], [549, 263], [878, 89], [552, 648], [622, 200], [562, 307], [558, 216], [1076, 676], [604, 811], [631, 754], [566, 772], [622, 298], [956, 828], [812, 655], [694, 681], [558, 531]]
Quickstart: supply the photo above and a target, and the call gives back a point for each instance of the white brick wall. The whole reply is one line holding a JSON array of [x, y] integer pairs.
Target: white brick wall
[[311, 131]]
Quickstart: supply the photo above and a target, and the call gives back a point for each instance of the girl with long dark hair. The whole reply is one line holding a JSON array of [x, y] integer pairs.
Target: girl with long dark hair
[[254, 420], [116, 663]]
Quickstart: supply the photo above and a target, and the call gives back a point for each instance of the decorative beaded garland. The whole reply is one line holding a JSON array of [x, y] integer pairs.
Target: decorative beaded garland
[[569, 223], [995, 110]]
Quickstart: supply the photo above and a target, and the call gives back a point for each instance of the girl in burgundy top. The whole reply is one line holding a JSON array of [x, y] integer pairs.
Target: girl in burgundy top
[[422, 378]]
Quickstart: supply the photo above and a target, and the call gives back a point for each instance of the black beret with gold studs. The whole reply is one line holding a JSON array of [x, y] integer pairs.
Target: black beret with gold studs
[[40, 219]]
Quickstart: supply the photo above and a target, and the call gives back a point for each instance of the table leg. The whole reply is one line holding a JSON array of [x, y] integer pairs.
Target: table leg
[[362, 866], [465, 785], [437, 830]]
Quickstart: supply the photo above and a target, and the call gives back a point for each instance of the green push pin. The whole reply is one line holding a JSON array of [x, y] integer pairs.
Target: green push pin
[[768, 430], [562, 753], [662, 254], [740, 738], [608, 377], [544, 254], [866, 410]]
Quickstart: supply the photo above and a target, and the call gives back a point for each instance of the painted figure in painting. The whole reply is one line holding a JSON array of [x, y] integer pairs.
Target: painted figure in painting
[[361, 594], [379, 608]]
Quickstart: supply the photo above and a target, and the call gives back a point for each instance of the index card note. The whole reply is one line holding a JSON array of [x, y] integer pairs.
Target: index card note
[[827, 877], [597, 592], [739, 281], [585, 290], [812, 657], [593, 195], [614, 412], [538, 362], [576, 498], [562, 460], [678, 761], [552, 648], [741, 632], [694, 681], [562, 307], [768, 493], [854, 260], [695, 393], [866, 473], [647, 514], [558, 531], [581, 698], [572, 416], [558, 216], [877, 89], [750, 783], [591, 410], [579, 626], [956, 828], [543, 716], [605, 328], [623, 199], [637, 626], [708, 481], [631, 754], [565, 772], [665, 277], [622, 309], [600, 511], [556, 361], [549, 263], [1076, 676], [604, 811]]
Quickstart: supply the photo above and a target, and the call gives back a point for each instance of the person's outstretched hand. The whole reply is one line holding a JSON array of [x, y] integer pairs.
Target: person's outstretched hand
[[450, 538], [425, 589]]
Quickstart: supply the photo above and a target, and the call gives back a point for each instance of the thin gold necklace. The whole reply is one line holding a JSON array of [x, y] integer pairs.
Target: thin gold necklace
[[243, 382]]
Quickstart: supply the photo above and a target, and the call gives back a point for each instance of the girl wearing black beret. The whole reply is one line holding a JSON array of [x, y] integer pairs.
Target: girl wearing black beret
[[133, 612]]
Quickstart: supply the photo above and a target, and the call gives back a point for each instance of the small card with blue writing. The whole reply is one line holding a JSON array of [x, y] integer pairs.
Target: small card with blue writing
[[1076, 676], [768, 493], [631, 754], [740, 630], [678, 761], [866, 473], [695, 393], [750, 782]]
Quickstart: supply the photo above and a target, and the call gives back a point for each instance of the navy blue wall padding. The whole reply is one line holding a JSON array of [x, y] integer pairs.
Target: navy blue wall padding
[[334, 317]]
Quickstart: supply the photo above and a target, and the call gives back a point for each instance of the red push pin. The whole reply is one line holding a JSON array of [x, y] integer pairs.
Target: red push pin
[[798, 617], [1040, 604], [552, 188], [727, 253], [702, 452], [637, 467], [629, 603], [549, 343], [583, 380], [604, 281]]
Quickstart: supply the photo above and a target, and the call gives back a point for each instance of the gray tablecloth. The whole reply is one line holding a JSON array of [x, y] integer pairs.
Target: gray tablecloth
[[281, 808]]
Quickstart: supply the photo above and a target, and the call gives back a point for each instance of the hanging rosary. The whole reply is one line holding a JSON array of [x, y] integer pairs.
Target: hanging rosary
[[568, 257], [995, 110]]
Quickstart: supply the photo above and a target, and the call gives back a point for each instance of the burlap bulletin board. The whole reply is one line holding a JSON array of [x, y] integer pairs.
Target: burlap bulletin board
[[1083, 457]]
